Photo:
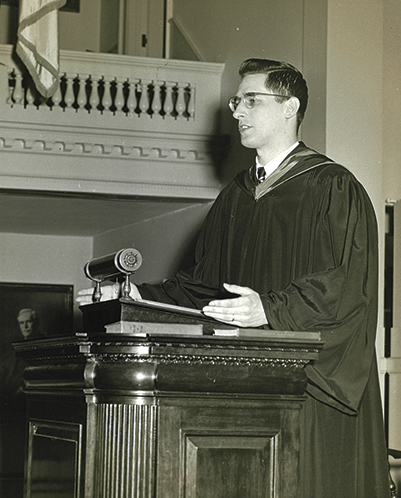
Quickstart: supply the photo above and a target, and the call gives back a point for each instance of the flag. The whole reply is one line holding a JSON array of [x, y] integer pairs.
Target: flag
[[37, 43]]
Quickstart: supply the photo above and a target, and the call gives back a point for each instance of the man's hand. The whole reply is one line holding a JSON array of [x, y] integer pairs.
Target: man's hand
[[244, 311], [109, 292]]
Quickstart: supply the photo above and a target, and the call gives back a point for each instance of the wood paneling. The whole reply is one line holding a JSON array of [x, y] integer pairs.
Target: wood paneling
[[167, 415]]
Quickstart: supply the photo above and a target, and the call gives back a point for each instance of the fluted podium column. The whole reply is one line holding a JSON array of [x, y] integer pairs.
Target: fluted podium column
[[124, 460], [165, 414]]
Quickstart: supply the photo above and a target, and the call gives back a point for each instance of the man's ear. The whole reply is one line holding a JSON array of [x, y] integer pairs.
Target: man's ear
[[292, 106]]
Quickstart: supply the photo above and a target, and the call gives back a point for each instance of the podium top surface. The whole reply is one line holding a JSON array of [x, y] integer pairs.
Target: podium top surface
[[147, 319], [166, 351]]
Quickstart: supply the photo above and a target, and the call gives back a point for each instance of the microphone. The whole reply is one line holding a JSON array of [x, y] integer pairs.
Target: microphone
[[123, 262]]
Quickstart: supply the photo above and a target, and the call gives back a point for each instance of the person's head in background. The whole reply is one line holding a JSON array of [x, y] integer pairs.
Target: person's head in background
[[28, 321]]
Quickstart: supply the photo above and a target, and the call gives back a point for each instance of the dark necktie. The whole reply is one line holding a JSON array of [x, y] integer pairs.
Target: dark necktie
[[261, 174]]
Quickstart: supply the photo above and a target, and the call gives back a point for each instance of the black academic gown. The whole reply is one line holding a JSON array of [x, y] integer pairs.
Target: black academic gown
[[306, 241]]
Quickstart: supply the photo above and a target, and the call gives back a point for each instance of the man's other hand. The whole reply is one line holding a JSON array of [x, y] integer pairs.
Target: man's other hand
[[109, 292]]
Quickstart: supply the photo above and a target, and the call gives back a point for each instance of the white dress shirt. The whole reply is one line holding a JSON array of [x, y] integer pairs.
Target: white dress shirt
[[274, 163]]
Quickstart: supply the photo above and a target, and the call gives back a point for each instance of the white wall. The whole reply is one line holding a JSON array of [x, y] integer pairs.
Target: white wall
[[231, 31], [363, 132], [45, 260], [81, 31], [165, 242], [392, 190], [109, 26], [354, 90], [392, 99], [355, 101]]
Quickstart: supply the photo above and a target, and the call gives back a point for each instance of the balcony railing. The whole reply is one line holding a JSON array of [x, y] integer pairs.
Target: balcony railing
[[127, 96], [122, 111]]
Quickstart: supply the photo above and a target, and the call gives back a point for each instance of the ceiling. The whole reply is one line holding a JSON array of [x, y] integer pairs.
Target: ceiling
[[73, 215]]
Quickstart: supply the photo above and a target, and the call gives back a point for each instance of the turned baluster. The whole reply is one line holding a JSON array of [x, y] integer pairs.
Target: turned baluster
[[107, 99], [30, 94], [144, 98], [81, 94], [191, 101], [69, 97], [157, 99], [57, 97], [131, 100], [18, 94], [94, 99], [169, 103], [119, 100], [180, 106], [11, 77]]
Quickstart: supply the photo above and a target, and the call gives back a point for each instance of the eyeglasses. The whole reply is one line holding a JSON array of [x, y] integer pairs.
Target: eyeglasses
[[249, 99]]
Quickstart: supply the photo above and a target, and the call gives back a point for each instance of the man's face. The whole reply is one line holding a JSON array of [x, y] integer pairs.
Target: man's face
[[263, 125], [26, 324]]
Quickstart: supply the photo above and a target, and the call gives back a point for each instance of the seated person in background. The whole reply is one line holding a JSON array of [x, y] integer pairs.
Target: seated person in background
[[291, 244]]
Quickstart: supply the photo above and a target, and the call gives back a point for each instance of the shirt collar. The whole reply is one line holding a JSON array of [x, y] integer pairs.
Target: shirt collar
[[275, 163]]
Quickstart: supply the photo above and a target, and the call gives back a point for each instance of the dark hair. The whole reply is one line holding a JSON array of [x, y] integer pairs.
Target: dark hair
[[281, 77]]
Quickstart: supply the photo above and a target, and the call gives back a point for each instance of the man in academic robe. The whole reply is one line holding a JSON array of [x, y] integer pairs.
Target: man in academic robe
[[291, 244]]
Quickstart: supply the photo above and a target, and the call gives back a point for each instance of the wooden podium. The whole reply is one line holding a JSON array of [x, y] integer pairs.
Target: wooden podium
[[166, 414]]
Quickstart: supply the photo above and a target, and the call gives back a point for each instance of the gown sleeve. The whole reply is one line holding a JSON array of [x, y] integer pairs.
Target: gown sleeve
[[195, 287], [339, 297]]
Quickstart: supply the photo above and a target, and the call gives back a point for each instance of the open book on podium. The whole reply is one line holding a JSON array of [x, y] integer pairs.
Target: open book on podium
[[142, 318]]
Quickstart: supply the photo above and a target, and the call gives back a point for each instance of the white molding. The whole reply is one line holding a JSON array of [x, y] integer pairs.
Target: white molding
[[125, 188], [127, 62], [73, 150]]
